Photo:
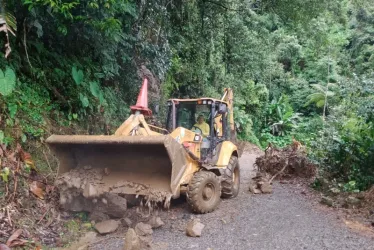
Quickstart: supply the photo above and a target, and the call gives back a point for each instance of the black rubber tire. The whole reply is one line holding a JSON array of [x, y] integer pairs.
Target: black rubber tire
[[195, 196], [231, 179]]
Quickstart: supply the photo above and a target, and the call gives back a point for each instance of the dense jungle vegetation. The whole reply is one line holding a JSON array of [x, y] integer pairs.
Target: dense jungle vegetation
[[299, 68]]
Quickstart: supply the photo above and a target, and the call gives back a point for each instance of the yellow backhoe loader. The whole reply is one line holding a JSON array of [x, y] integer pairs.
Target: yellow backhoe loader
[[173, 160]]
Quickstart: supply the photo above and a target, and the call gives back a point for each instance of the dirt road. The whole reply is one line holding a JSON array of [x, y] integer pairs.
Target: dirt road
[[286, 219]]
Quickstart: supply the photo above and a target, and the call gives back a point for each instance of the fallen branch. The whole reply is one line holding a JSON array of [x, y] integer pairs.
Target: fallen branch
[[46, 159], [41, 218], [279, 172], [15, 181], [9, 219]]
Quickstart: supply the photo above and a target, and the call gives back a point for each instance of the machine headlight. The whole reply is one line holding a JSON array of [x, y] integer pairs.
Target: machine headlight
[[204, 102], [209, 102], [197, 138]]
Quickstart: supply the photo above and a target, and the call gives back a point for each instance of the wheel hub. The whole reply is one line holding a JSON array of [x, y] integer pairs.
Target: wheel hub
[[208, 191]]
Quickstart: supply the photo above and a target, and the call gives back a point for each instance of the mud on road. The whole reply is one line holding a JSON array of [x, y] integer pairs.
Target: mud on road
[[285, 219]]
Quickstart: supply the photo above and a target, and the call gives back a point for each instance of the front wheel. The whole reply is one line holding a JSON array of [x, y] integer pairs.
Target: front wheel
[[204, 191], [231, 179]]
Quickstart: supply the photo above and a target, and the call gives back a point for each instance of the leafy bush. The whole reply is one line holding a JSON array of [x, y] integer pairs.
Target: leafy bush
[[345, 147]]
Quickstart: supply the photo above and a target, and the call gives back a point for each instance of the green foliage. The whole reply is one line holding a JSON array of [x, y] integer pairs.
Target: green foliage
[[5, 174], [281, 118], [319, 97], [79, 64], [7, 81], [77, 75], [345, 146]]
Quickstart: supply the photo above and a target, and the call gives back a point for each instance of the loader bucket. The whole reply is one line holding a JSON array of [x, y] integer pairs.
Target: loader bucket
[[157, 162]]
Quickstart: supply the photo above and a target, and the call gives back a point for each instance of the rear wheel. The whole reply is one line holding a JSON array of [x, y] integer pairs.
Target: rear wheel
[[204, 191], [231, 179]]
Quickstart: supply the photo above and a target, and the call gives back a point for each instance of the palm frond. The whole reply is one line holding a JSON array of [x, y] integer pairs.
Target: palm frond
[[319, 87]]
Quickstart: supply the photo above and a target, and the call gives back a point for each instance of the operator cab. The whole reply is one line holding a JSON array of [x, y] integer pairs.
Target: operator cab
[[206, 117]]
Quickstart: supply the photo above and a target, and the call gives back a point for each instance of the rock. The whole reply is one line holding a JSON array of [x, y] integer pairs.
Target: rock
[[127, 222], [156, 222], [98, 216], [89, 191], [327, 201], [257, 191], [143, 229], [335, 190], [132, 241], [84, 242], [266, 188], [76, 203], [353, 200], [252, 187], [114, 205], [108, 226], [361, 195], [194, 228]]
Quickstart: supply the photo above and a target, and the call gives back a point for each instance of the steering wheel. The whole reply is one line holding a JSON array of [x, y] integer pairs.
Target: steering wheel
[[197, 128]]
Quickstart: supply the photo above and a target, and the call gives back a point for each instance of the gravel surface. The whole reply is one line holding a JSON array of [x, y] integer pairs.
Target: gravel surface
[[286, 219]]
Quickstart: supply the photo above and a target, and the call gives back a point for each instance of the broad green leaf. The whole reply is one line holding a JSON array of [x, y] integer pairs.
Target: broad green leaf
[[77, 75], [320, 103], [84, 100], [7, 81], [95, 89]]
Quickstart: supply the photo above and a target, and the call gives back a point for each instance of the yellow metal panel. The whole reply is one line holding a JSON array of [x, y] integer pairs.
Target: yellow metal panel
[[228, 148], [185, 136]]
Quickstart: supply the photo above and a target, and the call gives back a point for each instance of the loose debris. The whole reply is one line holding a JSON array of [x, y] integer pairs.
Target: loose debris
[[28, 201], [108, 226], [156, 222], [194, 228], [327, 201], [260, 184], [132, 241], [127, 222], [143, 229], [290, 161], [82, 189]]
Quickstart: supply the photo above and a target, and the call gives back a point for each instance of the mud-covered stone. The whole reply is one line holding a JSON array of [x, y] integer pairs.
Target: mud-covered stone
[[114, 205], [98, 216], [194, 228], [351, 200], [156, 222], [76, 203], [132, 241], [327, 201], [253, 187], [127, 222], [143, 229], [108, 226], [266, 187], [89, 191]]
